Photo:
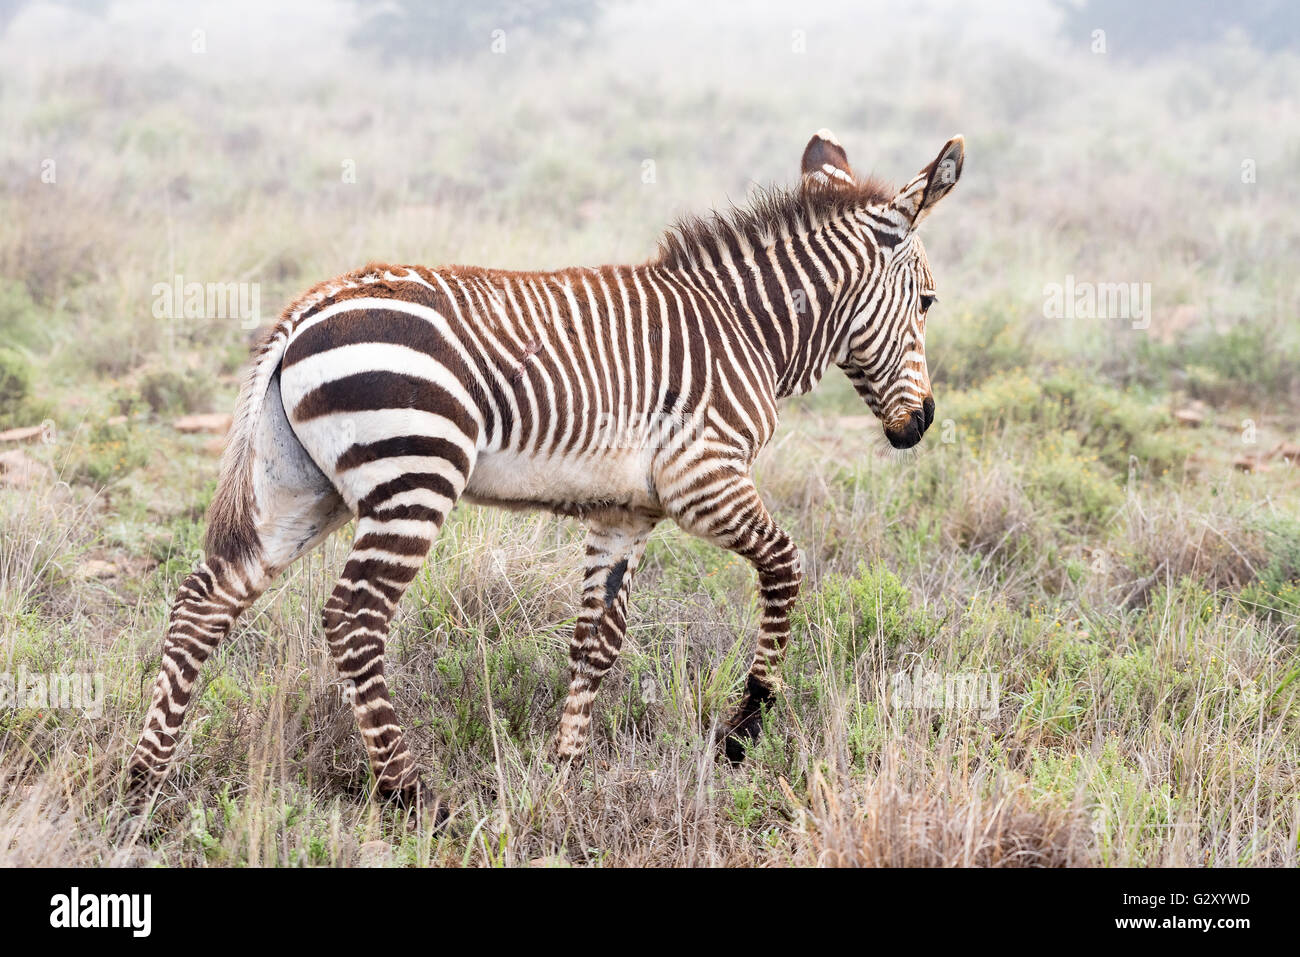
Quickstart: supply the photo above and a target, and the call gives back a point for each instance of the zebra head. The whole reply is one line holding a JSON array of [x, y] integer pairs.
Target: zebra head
[[883, 348]]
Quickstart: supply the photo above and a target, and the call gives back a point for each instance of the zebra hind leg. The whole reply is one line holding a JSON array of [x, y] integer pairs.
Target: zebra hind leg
[[277, 520], [207, 604], [388, 551]]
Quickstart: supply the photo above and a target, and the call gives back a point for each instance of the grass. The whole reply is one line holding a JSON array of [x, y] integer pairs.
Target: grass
[[1135, 598]]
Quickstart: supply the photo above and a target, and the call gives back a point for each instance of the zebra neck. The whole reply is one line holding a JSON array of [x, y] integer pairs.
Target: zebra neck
[[785, 303]]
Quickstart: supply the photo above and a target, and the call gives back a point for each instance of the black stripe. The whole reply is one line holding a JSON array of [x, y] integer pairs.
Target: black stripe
[[614, 582], [433, 481], [418, 445], [394, 544], [364, 326], [378, 389]]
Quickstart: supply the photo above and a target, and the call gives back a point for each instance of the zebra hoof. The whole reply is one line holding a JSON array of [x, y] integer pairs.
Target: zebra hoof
[[422, 801], [747, 722], [569, 763], [740, 735], [140, 787], [435, 813]]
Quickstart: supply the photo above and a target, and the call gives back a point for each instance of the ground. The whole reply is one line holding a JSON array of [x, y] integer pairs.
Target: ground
[[1099, 538]]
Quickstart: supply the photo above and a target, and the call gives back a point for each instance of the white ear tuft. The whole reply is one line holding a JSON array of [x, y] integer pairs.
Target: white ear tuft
[[829, 137]]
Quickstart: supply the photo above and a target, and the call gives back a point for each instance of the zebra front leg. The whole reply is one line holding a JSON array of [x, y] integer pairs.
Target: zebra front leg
[[731, 514], [613, 552], [206, 606]]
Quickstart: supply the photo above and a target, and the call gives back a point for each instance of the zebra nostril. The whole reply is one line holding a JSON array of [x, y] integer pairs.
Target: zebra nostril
[[928, 407]]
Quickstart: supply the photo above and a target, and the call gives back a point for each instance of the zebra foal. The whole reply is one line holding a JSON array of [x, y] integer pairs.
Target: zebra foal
[[389, 394]]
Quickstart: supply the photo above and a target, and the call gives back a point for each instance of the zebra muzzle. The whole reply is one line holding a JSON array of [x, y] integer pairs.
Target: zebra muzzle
[[906, 432]]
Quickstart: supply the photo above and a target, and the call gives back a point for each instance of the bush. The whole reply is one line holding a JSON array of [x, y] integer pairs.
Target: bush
[[170, 391], [17, 407], [1275, 596], [866, 610], [22, 321], [968, 349], [1115, 426], [15, 383], [1064, 473], [1254, 357], [106, 454]]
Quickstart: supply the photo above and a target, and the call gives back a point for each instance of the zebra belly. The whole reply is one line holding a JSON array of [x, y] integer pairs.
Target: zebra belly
[[564, 483]]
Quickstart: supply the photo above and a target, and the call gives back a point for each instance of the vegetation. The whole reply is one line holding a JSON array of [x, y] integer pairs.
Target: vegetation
[[1133, 593]]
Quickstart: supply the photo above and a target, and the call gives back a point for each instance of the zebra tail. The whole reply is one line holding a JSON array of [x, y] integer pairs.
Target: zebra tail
[[232, 529]]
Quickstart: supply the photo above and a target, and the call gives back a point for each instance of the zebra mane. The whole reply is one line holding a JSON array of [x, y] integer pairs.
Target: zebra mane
[[772, 212]]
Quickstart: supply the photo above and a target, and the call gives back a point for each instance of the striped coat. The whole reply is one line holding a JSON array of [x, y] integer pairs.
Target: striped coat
[[619, 395]]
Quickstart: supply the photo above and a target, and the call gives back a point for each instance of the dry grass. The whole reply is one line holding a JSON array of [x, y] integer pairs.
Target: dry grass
[[905, 816], [1135, 597]]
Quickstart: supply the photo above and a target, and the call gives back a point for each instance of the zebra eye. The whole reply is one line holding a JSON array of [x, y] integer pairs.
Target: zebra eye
[[927, 301]]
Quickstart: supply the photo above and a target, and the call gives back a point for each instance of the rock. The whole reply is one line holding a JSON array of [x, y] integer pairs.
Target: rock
[[375, 854], [28, 433], [115, 420], [94, 569], [20, 470], [216, 423], [1245, 463], [1288, 452], [1189, 417], [215, 446]]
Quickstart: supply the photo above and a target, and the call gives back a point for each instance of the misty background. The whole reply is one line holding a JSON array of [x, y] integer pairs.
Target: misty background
[[1103, 519], [516, 134]]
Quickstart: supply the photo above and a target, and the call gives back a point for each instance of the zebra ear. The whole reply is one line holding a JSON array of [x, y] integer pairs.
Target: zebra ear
[[915, 200], [824, 160]]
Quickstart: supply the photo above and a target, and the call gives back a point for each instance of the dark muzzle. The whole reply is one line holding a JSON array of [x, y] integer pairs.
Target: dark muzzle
[[909, 432]]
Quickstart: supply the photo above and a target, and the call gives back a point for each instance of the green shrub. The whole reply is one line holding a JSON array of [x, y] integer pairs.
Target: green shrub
[[1052, 706], [15, 386], [1114, 425], [967, 349], [1275, 596], [861, 612], [22, 321], [1130, 813], [1066, 474], [1256, 356], [106, 454], [168, 391]]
